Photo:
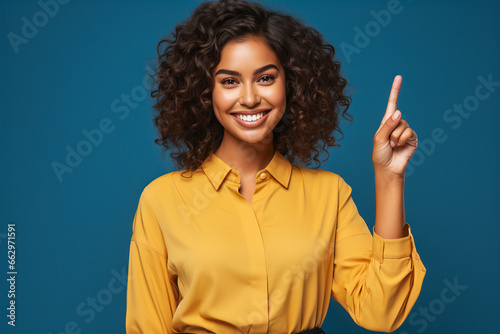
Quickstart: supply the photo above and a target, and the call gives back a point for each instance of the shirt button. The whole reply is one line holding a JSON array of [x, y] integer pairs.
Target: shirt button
[[263, 176]]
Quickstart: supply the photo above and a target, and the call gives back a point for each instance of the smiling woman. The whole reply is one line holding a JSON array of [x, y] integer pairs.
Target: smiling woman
[[250, 103], [210, 62], [248, 107], [251, 242]]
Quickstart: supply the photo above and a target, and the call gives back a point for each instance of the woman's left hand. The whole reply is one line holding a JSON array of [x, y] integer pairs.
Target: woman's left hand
[[394, 142]]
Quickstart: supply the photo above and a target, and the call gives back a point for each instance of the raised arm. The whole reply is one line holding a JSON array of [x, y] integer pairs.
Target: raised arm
[[378, 278], [393, 146]]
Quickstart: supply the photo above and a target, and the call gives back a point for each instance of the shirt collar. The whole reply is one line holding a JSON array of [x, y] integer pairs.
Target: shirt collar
[[216, 170]]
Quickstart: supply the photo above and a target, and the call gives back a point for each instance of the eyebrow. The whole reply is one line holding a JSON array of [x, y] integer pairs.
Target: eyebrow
[[235, 73]]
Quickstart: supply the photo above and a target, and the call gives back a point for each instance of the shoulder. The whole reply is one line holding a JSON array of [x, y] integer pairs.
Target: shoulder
[[320, 176], [168, 185], [322, 179], [158, 184], [322, 185]]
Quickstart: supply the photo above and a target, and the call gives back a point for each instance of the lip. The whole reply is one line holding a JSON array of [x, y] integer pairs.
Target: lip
[[254, 123]]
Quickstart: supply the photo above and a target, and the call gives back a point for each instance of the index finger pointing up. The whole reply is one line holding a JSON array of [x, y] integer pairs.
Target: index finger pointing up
[[393, 98]]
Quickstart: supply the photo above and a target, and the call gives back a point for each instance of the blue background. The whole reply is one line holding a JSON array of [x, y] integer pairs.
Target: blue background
[[73, 234]]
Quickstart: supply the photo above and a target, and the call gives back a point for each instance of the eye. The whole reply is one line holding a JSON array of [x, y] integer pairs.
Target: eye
[[232, 82], [226, 81], [269, 78]]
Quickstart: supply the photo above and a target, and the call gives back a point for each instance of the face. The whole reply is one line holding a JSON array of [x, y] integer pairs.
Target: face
[[250, 81]]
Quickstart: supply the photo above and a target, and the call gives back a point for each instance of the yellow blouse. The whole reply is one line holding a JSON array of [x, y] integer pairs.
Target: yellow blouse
[[205, 260]]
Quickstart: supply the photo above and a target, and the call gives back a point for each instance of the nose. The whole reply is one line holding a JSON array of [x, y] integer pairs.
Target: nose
[[249, 95]]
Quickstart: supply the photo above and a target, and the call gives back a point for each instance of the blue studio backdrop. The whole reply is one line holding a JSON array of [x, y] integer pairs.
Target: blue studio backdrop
[[73, 94]]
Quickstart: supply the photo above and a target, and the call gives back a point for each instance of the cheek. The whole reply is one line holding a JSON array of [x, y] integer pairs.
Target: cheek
[[223, 99], [277, 97]]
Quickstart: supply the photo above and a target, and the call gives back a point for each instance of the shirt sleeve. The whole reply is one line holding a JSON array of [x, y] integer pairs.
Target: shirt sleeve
[[376, 280], [152, 296]]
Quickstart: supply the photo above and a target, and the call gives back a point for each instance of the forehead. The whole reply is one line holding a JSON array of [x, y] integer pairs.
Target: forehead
[[250, 53]]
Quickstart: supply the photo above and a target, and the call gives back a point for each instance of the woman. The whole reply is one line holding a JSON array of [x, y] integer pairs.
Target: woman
[[243, 240]]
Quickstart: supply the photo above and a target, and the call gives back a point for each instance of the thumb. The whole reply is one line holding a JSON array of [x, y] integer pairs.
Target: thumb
[[389, 125]]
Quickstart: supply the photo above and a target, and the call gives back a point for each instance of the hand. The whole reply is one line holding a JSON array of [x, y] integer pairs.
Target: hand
[[394, 142]]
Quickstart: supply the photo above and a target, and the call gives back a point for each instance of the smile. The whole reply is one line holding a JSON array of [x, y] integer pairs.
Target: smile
[[251, 120]]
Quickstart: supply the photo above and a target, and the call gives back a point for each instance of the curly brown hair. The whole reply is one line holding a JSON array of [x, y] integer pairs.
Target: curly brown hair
[[183, 81]]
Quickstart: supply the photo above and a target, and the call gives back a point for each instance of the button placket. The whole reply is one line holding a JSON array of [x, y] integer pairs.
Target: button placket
[[258, 267]]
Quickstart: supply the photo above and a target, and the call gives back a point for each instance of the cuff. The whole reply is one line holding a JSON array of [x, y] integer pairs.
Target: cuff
[[392, 248]]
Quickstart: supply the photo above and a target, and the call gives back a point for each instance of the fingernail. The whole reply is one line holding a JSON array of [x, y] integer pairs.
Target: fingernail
[[396, 114], [393, 143]]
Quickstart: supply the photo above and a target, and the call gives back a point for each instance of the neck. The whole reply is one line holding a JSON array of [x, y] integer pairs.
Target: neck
[[246, 158]]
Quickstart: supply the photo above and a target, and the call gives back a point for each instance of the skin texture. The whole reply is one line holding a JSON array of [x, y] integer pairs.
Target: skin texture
[[248, 150]]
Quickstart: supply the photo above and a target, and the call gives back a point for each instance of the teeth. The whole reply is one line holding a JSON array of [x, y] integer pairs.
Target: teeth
[[251, 118]]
